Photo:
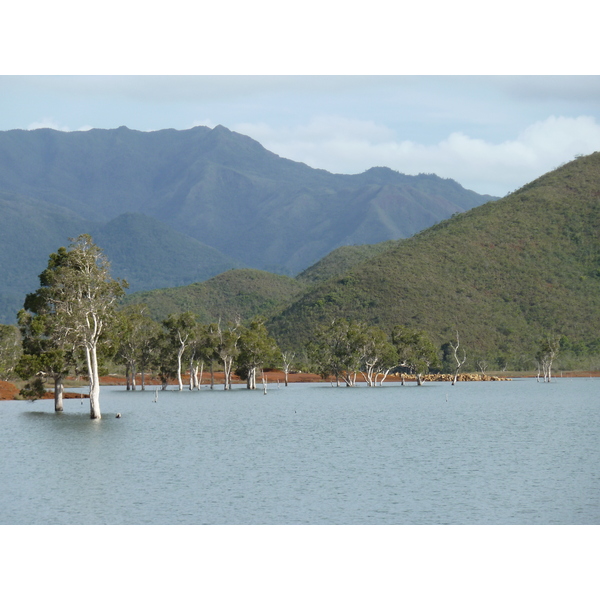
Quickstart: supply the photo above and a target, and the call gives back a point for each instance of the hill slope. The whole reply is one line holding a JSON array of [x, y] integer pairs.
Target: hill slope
[[243, 293], [501, 274], [225, 190], [150, 255]]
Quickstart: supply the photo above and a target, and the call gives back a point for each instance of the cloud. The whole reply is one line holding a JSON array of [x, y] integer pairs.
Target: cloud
[[50, 123], [350, 146]]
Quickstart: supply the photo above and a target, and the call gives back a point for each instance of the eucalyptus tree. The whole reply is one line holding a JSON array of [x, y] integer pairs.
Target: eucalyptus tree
[[379, 356], [133, 334], [79, 296], [10, 350], [338, 349], [202, 352], [458, 359], [227, 348], [181, 329], [287, 359], [416, 351], [210, 339], [548, 349], [163, 360], [256, 348]]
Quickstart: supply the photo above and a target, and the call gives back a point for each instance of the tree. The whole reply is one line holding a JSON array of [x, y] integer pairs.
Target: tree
[[10, 350], [134, 331], [43, 357], [379, 356], [338, 349], [547, 351], [416, 351], [181, 330], [255, 349], [227, 349], [457, 359], [287, 358], [80, 296]]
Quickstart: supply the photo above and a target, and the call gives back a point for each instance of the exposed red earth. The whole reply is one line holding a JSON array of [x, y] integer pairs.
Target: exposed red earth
[[9, 391]]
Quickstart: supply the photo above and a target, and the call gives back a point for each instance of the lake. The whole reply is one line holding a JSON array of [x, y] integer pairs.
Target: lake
[[518, 452]]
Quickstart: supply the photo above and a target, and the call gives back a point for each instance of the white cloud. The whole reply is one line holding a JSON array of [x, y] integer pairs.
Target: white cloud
[[47, 123], [50, 123], [350, 146]]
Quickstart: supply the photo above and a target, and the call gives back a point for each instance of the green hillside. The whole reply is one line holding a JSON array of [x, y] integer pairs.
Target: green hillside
[[501, 274], [340, 260], [150, 254], [242, 293]]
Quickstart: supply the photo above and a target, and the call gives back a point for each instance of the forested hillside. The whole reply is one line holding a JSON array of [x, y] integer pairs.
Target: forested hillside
[[243, 205], [239, 293], [502, 274]]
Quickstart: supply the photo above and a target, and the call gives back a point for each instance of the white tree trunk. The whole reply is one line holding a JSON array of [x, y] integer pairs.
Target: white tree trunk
[[179, 355], [92, 362], [59, 388]]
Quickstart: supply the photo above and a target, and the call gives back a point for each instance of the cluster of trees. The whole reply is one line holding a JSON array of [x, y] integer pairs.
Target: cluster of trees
[[73, 323]]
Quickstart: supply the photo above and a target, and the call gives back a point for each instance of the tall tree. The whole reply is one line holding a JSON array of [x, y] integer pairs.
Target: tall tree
[[81, 297]]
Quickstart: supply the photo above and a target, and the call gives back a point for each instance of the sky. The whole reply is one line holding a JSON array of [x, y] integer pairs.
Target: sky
[[490, 102], [492, 134]]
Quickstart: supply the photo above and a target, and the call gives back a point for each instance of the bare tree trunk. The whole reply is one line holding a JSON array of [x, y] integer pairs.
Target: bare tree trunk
[[92, 363], [199, 378], [59, 388], [179, 355]]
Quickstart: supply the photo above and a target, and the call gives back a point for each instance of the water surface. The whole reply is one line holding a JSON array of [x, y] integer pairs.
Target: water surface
[[518, 452]]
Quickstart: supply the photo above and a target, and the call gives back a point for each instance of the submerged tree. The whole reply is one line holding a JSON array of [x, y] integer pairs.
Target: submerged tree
[[80, 298], [416, 351], [547, 351], [227, 348], [457, 358], [256, 349], [43, 357], [181, 329]]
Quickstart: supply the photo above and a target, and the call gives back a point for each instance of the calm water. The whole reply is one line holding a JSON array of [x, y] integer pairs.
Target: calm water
[[517, 452]]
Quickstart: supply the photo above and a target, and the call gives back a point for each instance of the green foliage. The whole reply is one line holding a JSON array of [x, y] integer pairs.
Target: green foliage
[[33, 389], [501, 274], [10, 350], [237, 294], [415, 350]]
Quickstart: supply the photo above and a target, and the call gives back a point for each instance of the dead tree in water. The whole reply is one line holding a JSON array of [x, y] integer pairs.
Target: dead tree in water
[[459, 362]]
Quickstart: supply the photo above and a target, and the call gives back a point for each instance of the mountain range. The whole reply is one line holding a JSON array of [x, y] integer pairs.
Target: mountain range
[[172, 208]]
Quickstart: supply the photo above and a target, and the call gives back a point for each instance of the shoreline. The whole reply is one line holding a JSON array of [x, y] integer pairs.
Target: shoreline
[[10, 391]]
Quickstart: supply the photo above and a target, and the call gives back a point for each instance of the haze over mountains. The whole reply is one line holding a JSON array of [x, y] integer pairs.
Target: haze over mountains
[[171, 208]]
